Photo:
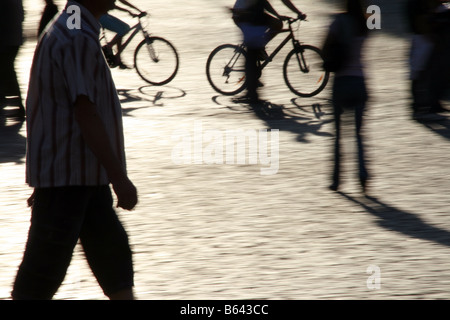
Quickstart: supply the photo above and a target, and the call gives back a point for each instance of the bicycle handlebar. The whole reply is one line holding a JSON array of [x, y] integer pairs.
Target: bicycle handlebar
[[139, 15], [292, 20]]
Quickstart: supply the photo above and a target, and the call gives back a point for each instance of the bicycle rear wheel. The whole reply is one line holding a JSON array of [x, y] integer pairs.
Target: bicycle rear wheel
[[156, 60], [303, 71], [225, 69]]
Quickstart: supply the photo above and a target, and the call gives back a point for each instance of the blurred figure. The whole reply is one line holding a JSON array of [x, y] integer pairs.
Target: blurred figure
[[11, 38], [75, 149], [427, 57], [349, 88], [259, 23], [50, 11], [119, 27]]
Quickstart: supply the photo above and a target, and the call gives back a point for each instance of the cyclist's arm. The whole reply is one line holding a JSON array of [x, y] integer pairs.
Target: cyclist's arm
[[292, 7], [129, 4], [271, 10]]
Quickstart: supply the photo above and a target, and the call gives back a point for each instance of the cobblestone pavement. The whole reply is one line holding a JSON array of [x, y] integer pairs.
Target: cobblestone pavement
[[226, 231]]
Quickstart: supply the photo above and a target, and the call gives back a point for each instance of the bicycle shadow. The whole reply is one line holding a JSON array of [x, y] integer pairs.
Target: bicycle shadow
[[303, 120], [12, 143], [403, 222], [146, 96]]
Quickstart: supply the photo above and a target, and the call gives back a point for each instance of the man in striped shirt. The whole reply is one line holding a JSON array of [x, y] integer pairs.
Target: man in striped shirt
[[75, 149]]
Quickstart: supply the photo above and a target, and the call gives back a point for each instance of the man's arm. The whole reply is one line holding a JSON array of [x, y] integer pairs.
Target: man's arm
[[94, 134]]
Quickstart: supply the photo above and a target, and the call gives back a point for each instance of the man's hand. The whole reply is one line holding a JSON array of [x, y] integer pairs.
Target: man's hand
[[30, 200], [126, 194]]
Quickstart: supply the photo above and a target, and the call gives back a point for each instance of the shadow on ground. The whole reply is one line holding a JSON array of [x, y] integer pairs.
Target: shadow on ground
[[396, 220], [303, 120]]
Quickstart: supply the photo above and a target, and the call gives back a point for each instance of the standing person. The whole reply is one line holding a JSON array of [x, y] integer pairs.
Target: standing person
[[422, 59], [259, 23], [75, 149], [349, 88], [119, 27], [11, 38], [49, 12]]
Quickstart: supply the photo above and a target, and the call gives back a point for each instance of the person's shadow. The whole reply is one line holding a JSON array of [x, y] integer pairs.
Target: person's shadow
[[12, 143], [400, 221]]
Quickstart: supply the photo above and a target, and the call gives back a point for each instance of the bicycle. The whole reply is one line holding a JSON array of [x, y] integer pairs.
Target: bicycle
[[302, 69], [155, 59]]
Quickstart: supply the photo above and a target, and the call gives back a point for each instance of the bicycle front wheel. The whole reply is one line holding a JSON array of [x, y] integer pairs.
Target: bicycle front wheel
[[303, 71], [225, 69], [156, 60]]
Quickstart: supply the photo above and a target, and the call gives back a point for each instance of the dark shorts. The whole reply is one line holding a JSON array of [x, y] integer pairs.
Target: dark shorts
[[114, 24], [61, 217]]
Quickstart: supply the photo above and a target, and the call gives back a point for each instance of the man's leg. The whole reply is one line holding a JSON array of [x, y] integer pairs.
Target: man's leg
[[105, 243], [56, 219]]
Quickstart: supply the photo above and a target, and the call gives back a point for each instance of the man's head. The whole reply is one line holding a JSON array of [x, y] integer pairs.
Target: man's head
[[97, 7]]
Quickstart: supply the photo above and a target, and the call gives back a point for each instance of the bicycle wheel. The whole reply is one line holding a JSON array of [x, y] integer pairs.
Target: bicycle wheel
[[156, 60], [225, 69], [303, 71]]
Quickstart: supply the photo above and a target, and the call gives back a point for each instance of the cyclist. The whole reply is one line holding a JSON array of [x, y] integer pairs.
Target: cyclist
[[259, 23], [119, 27], [261, 13]]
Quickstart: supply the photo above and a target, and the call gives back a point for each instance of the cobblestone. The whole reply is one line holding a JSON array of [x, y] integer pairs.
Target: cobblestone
[[227, 232]]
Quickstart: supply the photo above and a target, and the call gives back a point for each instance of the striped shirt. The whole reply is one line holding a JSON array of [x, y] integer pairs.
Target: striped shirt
[[68, 63]]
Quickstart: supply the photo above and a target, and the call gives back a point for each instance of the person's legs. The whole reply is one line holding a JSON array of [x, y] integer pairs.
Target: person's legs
[[56, 219], [349, 93], [359, 112], [105, 243], [337, 149], [251, 72], [359, 104], [254, 39], [120, 28], [439, 70], [9, 85], [338, 110]]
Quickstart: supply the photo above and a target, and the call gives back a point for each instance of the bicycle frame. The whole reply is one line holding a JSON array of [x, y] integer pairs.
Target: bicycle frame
[[136, 28], [295, 43], [290, 37]]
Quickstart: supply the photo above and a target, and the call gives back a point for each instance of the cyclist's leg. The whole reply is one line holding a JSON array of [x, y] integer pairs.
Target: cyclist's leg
[[114, 24], [274, 25], [120, 28], [254, 39]]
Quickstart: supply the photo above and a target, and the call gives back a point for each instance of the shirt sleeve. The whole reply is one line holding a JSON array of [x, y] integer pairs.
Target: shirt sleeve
[[81, 67]]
